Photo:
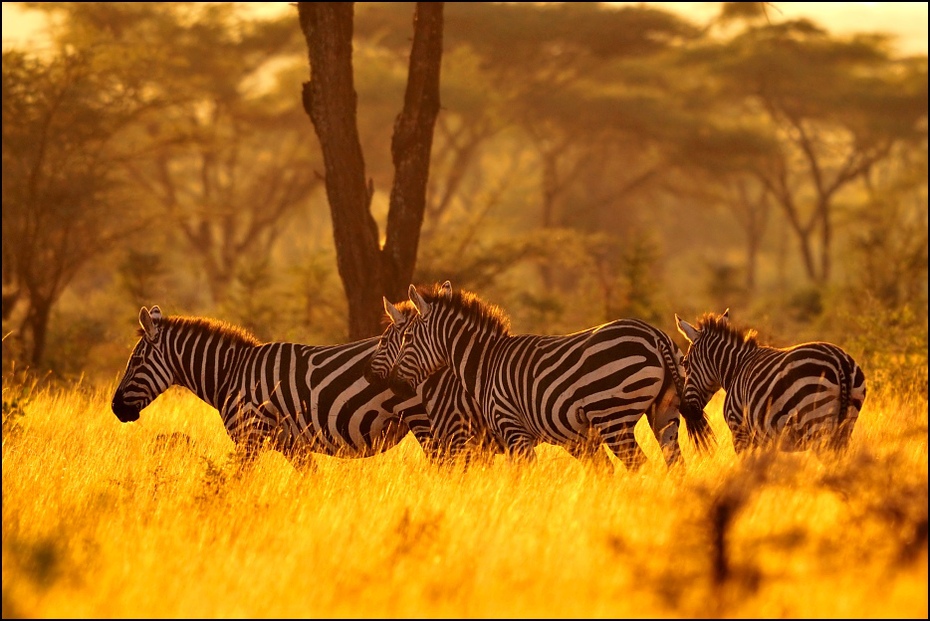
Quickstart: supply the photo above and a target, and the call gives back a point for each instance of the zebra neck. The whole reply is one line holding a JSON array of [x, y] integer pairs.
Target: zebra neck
[[727, 372], [468, 359], [201, 363]]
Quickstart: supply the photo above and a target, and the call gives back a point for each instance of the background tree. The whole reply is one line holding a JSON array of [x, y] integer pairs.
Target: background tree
[[836, 105], [573, 148], [224, 159], [61, 199]]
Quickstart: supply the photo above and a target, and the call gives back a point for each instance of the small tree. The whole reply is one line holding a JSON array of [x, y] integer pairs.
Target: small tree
[[837, 106], [60, 201]]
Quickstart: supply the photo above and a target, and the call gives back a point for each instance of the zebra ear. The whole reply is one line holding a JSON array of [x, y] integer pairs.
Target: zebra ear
[[446, 290], [147, 321], [689, 331], [397, 317], [421, 305], [155, 312], [726, 315]]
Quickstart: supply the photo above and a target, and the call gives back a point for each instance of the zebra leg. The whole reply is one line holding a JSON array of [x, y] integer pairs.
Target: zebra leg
[[482, 449], [623, 443], [252, 432], [422, 430], [665, 423], [301, 460], [738, 423], [843, 433], [742, 440], [589, 448], [520, 446], [839, 440], [592, 455]]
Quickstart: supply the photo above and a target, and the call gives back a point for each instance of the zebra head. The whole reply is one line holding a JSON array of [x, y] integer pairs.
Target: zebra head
[[147, 374], [701, 366], [399, 316], [421, 354]]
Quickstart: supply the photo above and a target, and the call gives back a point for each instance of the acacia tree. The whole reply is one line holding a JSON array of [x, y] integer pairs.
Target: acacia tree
[[368, 269], [836, 106], [60, 202], [220, 160]]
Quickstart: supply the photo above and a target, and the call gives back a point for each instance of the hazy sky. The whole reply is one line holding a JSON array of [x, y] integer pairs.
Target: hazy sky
[[906, 20]]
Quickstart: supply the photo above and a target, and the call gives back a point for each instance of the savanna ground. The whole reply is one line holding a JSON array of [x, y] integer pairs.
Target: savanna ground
[[154, 519]]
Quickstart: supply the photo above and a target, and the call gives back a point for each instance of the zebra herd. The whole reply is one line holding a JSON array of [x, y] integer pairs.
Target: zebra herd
[[448, 370]]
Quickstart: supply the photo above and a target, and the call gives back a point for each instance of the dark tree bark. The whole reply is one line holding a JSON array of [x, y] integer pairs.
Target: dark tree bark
[[330, 100], [411, 146], [36, 325]]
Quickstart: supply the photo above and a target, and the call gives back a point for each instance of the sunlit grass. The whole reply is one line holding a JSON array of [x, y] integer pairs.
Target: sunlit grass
[[154, 519]]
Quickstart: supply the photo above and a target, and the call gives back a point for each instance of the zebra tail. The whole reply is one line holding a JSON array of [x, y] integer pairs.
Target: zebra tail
[[699, 430], [845, 389], [840, 436]]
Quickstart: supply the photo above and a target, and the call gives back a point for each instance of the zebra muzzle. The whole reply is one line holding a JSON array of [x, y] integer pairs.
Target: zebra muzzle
[[372, 377], [124, 412], [401, 387]]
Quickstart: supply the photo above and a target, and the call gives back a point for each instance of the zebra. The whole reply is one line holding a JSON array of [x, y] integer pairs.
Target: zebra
[[289, 397], [578, 390], [457, 426], [795, 398]]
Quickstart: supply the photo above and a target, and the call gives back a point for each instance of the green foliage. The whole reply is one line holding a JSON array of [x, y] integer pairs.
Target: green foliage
[[73, 336], [889, 342], [141, 276], [61, 211], [724, 285], [18, 390], [805, 304], [252, 302], [640, 278], [889, 246]]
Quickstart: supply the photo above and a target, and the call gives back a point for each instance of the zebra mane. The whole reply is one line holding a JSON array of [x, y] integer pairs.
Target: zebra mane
[[719, 325], [470, 305], [204, 325]]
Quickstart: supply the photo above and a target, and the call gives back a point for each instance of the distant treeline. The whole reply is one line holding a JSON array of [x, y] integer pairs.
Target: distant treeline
[[589, 162]]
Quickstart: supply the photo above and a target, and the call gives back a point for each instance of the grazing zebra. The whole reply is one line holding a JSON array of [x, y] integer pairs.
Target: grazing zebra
[[796, 398], [457, 426], [577, 390], [293, 398]]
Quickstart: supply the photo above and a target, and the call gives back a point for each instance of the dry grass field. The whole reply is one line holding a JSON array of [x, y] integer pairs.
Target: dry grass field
[[154, 519]]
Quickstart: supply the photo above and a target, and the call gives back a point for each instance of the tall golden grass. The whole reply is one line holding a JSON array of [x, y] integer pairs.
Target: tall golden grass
[[154, 519]]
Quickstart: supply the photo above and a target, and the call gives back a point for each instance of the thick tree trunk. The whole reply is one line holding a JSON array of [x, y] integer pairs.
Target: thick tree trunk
[[411, 147], [330, 100], [37, 325]]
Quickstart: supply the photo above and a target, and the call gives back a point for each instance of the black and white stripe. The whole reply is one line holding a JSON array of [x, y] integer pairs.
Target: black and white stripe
[[456, 424], [796, 398], [577, 391], [288, 397]]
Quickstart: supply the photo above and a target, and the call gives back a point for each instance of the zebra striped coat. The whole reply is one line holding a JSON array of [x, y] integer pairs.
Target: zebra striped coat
[[288, 397], [796, 398], [456, 424], [577, 391]]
